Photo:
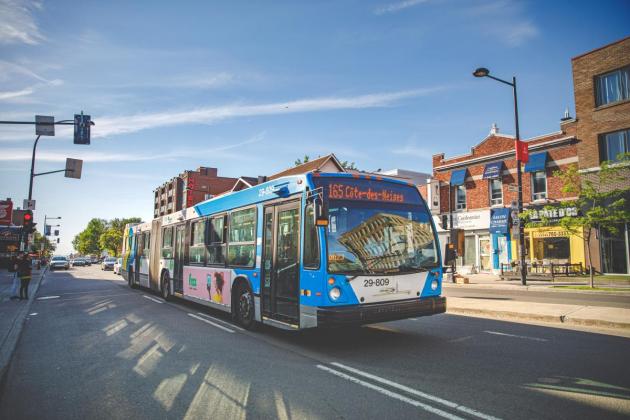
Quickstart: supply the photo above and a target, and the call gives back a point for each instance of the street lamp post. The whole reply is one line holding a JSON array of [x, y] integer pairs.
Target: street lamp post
[[484, 72]]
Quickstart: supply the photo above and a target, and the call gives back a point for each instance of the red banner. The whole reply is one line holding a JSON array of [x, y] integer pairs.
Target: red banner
[[522, 151], [6, 212]]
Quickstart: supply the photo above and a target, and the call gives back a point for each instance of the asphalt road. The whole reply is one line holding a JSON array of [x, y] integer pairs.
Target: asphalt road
[[93, 348], [570, 298]]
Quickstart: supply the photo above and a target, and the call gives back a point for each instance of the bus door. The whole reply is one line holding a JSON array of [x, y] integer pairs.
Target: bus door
[[280, 269], [178, 257]]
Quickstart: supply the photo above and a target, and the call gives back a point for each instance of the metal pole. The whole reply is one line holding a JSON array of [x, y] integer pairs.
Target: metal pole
[[30, 185], [519, 176], [450, 225]]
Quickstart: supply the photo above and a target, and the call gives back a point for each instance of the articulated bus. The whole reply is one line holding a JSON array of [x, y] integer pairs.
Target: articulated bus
[[297, 252]]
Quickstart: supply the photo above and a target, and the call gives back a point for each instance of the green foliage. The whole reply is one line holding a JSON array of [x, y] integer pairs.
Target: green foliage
[[299, 161], [102, 235], [602, 201], [39, 239], [348, 165]]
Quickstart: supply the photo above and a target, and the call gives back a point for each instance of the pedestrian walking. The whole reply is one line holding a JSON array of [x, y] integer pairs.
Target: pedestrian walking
[[16, 279], [24, 271]]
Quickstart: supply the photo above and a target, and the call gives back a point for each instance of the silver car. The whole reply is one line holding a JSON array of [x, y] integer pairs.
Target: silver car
[[59, 262]]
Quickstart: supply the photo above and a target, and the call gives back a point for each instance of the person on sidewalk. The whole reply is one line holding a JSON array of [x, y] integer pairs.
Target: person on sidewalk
[[24, 271], [16, 278]]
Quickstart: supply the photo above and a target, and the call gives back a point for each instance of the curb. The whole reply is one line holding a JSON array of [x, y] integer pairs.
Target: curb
[[562, 319], [536, 288], [10, 343]]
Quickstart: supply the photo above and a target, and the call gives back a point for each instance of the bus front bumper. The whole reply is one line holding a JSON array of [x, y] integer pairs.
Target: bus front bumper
[[379, 312]]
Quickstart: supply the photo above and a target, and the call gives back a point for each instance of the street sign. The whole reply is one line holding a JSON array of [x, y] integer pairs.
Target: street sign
[[514, 205], [44, 125], [512, 187], [28, 204], [82, 124], [73, 168], [47, 230]]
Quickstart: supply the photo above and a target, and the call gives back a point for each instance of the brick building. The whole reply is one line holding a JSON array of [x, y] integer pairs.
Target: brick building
[[192, 187], [601, 82], [477, 189]]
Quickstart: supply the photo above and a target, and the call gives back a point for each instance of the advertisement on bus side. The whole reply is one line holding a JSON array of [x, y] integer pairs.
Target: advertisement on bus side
[[212, 284]]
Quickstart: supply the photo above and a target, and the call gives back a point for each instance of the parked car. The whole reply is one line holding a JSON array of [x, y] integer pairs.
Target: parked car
[[117, 266], [59, 262], [108, 263], [78, 262], [94, 260]]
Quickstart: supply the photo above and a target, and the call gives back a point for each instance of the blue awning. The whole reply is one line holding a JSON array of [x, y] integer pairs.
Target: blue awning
[[493, 170], [537, 162], [458, 177], [500, 220]]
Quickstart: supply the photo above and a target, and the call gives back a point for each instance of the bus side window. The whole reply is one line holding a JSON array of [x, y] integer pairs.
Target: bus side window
[[241, 247], [311, 240], [197, 242], [167, 242], [215, 241], [147, 244]]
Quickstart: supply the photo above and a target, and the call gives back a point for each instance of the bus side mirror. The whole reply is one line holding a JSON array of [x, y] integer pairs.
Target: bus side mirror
[[451, 254]]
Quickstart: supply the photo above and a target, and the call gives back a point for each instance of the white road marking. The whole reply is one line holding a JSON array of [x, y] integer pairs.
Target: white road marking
[[221, 321], [421, 394], [33, 314], [391, 394], [48, 297], [207, 321], [153, 299], [524, 337]]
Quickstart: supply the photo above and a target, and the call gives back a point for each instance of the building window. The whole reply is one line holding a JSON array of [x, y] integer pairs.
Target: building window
[[539, 185], [496, 192], [241, 238], [198, 243], [612, 87], [612, 145], [460, 197]]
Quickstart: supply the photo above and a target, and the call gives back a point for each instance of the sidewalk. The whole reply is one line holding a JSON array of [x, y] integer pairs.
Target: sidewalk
[[12, 315], [583, 315]]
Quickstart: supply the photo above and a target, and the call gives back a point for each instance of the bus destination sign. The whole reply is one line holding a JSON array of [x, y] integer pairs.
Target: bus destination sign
[[337, 191]]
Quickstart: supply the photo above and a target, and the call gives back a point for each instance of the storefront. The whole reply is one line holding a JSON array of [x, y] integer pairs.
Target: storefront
[[500, 232], [615, 250], [552, 244], [477, 241]]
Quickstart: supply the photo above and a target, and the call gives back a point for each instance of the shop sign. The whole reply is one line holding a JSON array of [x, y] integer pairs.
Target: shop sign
[[552, 214], [471, 220], [551, 234], [499, 220]]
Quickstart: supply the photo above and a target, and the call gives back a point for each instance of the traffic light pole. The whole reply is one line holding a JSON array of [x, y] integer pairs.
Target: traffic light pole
[[30, 184]]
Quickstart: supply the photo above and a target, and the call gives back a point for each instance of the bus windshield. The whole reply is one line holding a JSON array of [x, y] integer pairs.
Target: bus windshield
[[377, 227]]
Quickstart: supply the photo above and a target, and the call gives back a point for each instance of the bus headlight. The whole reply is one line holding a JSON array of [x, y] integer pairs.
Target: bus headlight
[[434, 285], [334, 293]]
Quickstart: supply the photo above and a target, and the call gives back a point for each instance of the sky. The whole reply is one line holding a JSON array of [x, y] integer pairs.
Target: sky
[[248, 87]]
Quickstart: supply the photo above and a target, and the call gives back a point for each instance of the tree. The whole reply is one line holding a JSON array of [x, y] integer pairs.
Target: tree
[[38, 240], [602, 202], [111, 239], [87, 241], [347, 165], [299, 161]]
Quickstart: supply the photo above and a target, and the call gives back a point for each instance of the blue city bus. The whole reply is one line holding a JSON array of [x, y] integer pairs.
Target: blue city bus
[[303, 251]]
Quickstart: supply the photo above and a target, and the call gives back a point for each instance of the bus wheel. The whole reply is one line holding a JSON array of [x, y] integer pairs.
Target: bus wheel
[[245, 307], [166, 292]]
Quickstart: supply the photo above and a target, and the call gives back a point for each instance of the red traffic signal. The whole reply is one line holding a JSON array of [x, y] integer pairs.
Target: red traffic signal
[[27, 223]]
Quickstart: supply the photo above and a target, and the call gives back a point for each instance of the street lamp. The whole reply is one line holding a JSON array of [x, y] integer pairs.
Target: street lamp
[[484, 72]]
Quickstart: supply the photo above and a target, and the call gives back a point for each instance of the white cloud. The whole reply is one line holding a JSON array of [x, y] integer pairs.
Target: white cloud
[[18, 154], [396, 7], [412, 150], [108, 126], [505, 21], [15, 93], [17, 25]]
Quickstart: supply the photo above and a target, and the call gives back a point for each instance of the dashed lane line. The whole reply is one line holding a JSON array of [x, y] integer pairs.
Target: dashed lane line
[[214, 324], [524, 337], [417, 393], [48, 297], [221, 321], [153, 299], [391, 394]]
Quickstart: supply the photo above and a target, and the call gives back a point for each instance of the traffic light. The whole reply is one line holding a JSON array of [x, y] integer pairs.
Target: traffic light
[[57, 240], [27, 225]]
